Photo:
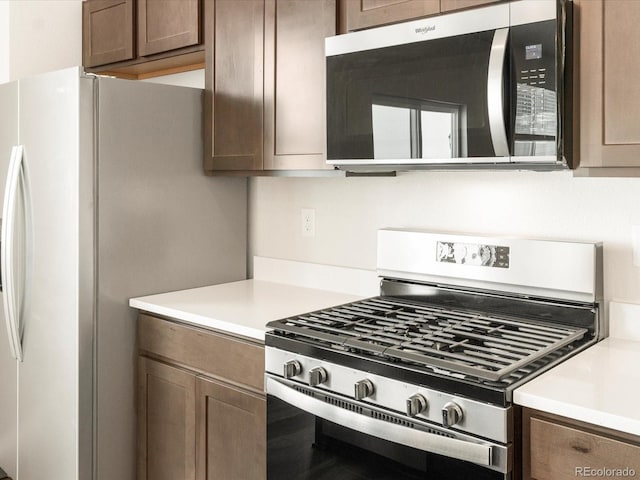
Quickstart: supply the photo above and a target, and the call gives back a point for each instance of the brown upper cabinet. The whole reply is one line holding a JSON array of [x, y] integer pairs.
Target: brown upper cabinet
[[135, 37], [608, 106], [265, 84], [234, 91], [294, 69], [107, 28], [359, 14], [449, 5], [165, 25]]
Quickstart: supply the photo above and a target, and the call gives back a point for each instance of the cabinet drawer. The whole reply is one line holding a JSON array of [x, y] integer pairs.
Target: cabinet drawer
[[215, 354], [559, 452]]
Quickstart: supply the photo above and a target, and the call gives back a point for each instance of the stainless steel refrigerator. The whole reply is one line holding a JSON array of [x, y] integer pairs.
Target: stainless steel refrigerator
[[104, 199]]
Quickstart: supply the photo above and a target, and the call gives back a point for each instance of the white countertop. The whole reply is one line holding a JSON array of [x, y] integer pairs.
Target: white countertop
[[600, 385], [240, 308]]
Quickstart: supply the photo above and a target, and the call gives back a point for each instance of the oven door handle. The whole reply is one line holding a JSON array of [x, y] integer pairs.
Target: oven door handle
[[450, 447]]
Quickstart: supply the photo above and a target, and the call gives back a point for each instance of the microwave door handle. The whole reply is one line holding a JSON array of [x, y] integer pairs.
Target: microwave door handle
[[495, 98], [7, 251], [451, 447]]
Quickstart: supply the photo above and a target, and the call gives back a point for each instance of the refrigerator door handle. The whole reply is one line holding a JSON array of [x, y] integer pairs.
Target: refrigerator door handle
[[7, 250]]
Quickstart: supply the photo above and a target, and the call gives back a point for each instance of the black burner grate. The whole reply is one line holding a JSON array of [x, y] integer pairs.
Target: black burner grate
[[488, 347]]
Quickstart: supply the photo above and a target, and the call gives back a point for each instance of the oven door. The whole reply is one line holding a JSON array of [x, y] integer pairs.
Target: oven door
[[312, 435]]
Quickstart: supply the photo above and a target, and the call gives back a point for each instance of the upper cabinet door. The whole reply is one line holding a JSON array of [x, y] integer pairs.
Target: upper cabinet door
[[448, 5], [165, 25], [107, 31], [294, 64], [369, 13], [234, 77], [609, 99]]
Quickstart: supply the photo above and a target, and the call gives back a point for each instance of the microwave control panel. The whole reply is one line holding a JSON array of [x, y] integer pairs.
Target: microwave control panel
[[533, 54]]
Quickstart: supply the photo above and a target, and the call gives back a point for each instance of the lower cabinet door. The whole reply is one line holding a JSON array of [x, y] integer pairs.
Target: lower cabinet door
[[231, 432], [559, 448], [166, 422]]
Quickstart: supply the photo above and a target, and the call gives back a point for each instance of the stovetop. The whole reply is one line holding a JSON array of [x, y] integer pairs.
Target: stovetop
[[481, 345], [456, 320], [464, 351]]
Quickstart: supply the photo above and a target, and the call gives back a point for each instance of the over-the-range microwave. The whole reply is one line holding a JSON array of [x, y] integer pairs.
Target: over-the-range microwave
[[482, 88]]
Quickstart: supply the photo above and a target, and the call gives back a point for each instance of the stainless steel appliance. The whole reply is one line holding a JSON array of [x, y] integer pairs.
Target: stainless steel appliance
[[105, 200], [418, 382], [489, 87]]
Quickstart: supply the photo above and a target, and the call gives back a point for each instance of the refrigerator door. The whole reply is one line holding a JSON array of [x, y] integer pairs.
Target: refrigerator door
[[8, 366], [48, 420]]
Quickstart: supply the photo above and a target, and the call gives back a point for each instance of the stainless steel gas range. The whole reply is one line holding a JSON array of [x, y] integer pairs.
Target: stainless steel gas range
[[417, 383]]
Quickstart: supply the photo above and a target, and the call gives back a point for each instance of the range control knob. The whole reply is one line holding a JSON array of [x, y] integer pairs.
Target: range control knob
[[363, 389], [292, 368], [416, 404], [317, 375], [451, 414]]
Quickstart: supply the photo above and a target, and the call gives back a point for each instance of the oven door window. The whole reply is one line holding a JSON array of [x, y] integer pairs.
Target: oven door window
[[421, 100], [301, 446]]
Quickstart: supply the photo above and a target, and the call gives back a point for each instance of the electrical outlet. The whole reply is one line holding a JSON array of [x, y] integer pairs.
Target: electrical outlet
[[308, 222]]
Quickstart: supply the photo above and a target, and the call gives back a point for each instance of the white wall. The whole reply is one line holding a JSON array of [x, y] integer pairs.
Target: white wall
[[4, 41], [551, 205], [38, 36], [193, 78], [45, 35]]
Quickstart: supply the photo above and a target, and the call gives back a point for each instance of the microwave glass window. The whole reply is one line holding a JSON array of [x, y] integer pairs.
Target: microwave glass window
[[420, 100], [436, 134], [443, 131], [410, 128], [392, 132], [536, 111]]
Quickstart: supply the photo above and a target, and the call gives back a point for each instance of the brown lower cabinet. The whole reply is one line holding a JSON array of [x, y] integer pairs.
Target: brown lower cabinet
[[559, 448], [230, 432], [166, 421], [201, 404]]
